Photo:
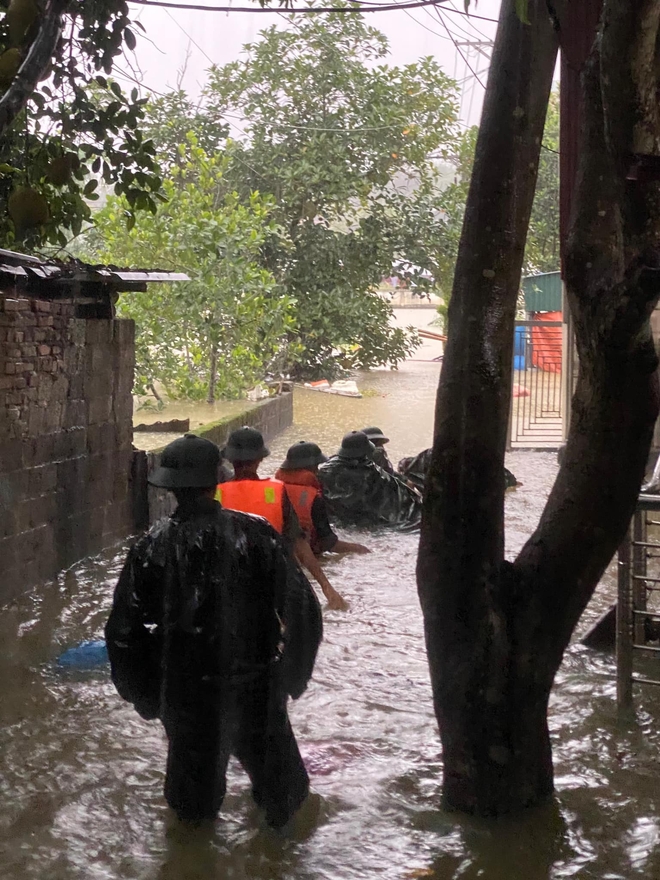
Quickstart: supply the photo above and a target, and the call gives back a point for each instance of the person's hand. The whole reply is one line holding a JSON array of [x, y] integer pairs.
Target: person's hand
[[335, 601], [361, 549]]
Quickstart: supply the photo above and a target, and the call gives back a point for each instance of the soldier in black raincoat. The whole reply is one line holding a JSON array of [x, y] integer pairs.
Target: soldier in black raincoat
[[379, 454], [414, 469], [360, 493], [212, 627]]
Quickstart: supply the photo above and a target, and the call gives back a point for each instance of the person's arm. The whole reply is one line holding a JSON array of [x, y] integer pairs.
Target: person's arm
[[326, 539], [349, 547], [304, 555], [133, 644]]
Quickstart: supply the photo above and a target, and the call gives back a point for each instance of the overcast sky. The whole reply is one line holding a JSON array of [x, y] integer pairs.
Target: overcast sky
[[193, 40]]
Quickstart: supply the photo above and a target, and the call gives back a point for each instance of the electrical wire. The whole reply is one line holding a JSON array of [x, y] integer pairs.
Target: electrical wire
[[426, 27], [461, 26], [468, 20], [186, 34], [356, 6], [458, 49], [469, 14]]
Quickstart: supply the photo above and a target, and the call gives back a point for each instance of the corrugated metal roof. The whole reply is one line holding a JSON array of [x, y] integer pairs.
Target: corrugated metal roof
[[60, 277], [543, 292], [143, 275]]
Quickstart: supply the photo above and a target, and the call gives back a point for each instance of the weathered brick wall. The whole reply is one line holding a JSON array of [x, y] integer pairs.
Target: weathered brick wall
[[65, 438], [271, 417]]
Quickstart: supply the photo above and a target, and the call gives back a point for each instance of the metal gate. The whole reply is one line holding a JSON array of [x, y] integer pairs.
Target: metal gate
[[537, 403], [638, 601]]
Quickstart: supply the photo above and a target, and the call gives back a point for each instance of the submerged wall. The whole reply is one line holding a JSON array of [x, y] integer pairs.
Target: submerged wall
[[270, 417], [71, 483], [65, 438]]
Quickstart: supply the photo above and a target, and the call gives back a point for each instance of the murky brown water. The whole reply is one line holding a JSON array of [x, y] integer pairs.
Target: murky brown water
[[81, 775]]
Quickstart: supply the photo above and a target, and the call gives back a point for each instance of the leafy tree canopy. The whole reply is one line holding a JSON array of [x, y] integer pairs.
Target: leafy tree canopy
[[216, 335], [341, 141], [66, 124]]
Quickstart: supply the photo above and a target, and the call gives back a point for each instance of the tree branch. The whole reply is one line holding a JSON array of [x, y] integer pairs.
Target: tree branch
[[34, 66], [612, 287]]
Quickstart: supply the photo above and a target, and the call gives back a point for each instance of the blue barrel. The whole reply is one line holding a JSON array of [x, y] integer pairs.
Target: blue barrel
[[519, 349], [86, 655]]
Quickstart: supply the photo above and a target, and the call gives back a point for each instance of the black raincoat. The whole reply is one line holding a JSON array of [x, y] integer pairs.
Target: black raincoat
[[212, 626], [415, 469], [359, 493], [380, 456]]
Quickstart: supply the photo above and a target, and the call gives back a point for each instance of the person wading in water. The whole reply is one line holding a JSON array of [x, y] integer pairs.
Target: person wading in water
[[298, 472], [267, 497], [212, 628], [379, 455]]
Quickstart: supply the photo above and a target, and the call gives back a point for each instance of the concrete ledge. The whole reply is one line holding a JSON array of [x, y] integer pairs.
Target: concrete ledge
[[271, 417]]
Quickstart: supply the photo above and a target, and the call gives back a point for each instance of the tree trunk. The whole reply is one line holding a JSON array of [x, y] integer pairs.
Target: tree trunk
[[213, 374], [496, 631], [35, 65], [612, 275], [152, 388], [478, 693]]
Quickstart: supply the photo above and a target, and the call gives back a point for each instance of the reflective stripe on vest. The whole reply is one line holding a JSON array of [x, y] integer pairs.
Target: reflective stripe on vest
[[262, 497]]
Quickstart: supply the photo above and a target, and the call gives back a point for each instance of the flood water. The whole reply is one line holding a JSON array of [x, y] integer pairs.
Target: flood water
[[81, 774]]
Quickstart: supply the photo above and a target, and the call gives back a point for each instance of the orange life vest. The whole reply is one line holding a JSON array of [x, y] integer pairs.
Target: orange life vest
[[303, 488], [263, 497]]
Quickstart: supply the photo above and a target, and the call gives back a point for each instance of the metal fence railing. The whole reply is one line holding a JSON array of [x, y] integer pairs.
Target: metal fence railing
[[537, 417], [638, 601]]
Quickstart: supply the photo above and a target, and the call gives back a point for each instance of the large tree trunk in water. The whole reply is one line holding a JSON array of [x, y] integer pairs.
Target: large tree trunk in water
[[464, 589], [496, 631]]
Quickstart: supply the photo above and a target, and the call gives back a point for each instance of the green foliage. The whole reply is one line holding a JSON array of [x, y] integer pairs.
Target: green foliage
[[80, 118], [542, 247], [337, 137], [215, 335], [168, 121], [444, 210], [542, 251]]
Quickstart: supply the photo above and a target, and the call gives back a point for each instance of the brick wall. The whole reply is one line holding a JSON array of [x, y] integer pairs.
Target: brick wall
[[65, 438], [270, 417]]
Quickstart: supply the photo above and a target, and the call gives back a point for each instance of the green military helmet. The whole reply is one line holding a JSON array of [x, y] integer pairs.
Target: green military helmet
[[190, 462], [355, 444], [376, 435], [303, 454], [246, 444]]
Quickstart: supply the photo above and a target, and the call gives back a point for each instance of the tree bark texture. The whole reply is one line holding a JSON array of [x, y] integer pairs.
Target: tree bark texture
[[496, 631], [612, 275], [493, 761]]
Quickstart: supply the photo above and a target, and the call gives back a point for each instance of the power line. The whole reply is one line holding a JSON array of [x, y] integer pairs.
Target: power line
[[469, 14], [426, 27], [467, 22], [458, 49], [186, 34], [356, 6]]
